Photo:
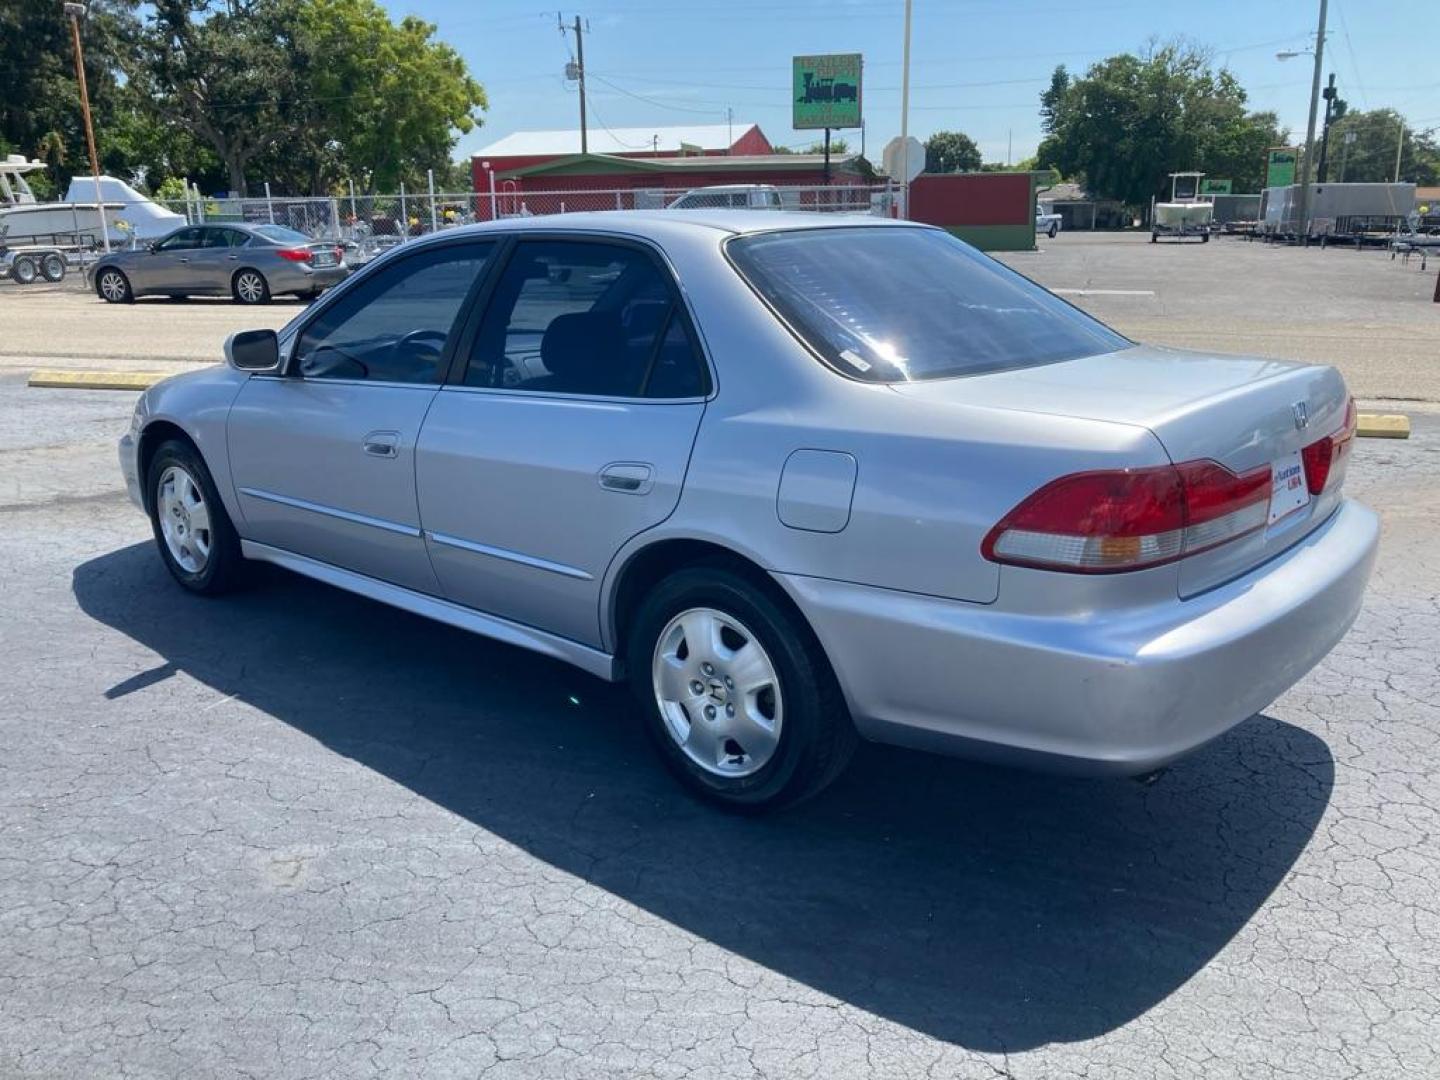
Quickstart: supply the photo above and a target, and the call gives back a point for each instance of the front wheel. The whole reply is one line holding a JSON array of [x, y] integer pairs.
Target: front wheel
[[197, 542], [24, 270], [738, 697], [250, 287], [1053, 230], [114, 287]]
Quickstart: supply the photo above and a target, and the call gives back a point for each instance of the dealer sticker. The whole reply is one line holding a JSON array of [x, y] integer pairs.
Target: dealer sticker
[[1288, 491]]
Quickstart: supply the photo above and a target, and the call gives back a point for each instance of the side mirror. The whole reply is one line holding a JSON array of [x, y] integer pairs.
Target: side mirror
[[153, 246], [253, 350]]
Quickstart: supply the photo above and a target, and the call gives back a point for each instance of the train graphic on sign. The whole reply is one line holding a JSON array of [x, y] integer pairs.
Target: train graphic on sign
[[826, 89]]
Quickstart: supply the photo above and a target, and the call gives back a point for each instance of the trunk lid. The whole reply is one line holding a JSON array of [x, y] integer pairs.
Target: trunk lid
[[1242, 412]]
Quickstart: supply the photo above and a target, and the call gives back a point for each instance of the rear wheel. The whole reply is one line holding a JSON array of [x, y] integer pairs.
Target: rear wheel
[[53, 267], [114, 287], [738, 697], [24, 270], [250, 287], [1053, 230], [197, 542]]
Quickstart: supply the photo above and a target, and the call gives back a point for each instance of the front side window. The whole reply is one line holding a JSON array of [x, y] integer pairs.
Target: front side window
[[184, 240], [896, 304], [570, 317], [393, 325]]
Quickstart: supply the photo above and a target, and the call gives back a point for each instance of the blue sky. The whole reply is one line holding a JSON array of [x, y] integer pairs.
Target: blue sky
[[976, 66]]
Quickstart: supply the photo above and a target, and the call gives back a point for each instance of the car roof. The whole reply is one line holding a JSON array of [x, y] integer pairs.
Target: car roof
[[656, 223]]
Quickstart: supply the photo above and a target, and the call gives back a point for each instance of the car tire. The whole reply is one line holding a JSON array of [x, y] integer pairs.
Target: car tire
[[773, 727], [204, 558], [1154, 236], [1053, 230], [113, 287], [23, 270], [53, 267], [250, 287], [310, 295]]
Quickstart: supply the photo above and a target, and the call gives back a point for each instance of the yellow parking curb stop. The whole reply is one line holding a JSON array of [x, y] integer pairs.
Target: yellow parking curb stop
[[97, 380], [1384, 426]]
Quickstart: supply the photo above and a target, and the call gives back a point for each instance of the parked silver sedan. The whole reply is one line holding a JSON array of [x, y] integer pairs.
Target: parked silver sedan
[[799, 480], [251, 263]]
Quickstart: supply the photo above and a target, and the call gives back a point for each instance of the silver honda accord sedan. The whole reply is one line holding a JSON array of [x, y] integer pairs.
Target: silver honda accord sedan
[[251, 263], [799, 480]]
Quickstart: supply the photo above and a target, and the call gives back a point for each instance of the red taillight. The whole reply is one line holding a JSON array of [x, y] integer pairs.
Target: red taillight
[[1125, 519], [295, 254], [1321, 456]]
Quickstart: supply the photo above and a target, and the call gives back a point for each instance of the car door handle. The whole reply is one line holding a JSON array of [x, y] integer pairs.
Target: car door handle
[[384, 444], [630, 477]]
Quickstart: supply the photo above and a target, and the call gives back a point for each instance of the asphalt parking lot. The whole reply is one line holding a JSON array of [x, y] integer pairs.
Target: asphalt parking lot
[[292, 833]]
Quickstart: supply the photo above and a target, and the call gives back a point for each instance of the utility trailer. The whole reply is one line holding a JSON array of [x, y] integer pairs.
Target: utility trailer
[[29, 263]]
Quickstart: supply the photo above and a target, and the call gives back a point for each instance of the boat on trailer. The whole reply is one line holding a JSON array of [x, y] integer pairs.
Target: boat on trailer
[[1185, 214], [76, 221]]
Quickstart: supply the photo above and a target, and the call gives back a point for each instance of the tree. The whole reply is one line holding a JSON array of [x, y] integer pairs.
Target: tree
[[1371, 156], [837, 146], [1052, 98], [307, 92], [1131, 120], [951, 151], [40, 99]]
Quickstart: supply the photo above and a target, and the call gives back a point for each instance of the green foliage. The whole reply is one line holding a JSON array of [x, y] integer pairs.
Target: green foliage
[[1371, 157], [951, 151], [39, 96], [837, 146], [1131, 120]]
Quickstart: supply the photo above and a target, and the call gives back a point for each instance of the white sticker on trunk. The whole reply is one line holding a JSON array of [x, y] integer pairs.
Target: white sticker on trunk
[[1288, 490]]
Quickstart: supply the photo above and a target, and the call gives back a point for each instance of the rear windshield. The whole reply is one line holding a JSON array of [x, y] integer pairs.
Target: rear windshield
[[900, 304], [281, 234]]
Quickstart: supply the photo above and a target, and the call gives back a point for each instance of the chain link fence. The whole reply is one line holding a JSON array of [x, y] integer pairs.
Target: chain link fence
[[366, 225]]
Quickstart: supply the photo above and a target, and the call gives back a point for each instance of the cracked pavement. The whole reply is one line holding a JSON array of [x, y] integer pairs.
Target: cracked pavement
[[294, 834]]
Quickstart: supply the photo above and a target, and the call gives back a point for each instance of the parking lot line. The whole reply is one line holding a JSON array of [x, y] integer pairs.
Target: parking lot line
[[1104, 292]]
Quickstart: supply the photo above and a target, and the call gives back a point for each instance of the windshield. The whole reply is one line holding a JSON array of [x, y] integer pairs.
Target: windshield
[[900, 304], [282, 235]]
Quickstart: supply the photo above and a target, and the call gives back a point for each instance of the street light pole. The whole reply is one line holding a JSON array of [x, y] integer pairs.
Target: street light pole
[[1310, 126], [905, 120], [75, 10]]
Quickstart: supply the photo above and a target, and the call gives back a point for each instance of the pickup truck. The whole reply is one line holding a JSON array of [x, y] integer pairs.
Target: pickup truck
[[1049, 224]]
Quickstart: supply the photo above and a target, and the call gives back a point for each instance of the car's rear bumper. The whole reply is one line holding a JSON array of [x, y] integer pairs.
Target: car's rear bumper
[[298, 277], [1115, 692]]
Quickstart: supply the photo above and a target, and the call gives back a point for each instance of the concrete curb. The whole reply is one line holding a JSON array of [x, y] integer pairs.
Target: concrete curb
[[1384, 426], [96, 380]]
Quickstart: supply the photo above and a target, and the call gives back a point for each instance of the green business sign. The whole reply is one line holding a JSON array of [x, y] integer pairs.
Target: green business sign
[[1215, 187], [826, 91], [1280, 166]]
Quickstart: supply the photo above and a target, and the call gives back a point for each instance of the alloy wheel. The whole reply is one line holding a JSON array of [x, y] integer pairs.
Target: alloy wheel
[[184, 519], [250, 287], [112, 286], [718, 692]]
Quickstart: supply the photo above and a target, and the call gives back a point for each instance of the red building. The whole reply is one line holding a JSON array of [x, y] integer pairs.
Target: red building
[[521, 149]]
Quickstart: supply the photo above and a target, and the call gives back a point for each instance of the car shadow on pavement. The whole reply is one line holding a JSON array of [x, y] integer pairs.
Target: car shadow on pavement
[[993, 909]]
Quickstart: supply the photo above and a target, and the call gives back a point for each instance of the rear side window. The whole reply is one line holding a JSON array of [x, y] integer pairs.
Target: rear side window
[[570, 317], [393, 326], [899, 304]]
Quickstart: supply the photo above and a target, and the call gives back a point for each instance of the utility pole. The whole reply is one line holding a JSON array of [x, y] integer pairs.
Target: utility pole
[[1310, 127], [576, 70], [1399, 149], [75, 11], [905, 120], [729, 128]]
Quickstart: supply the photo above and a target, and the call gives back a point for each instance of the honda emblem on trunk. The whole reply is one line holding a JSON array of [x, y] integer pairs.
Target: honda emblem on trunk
[[1302, 415]]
